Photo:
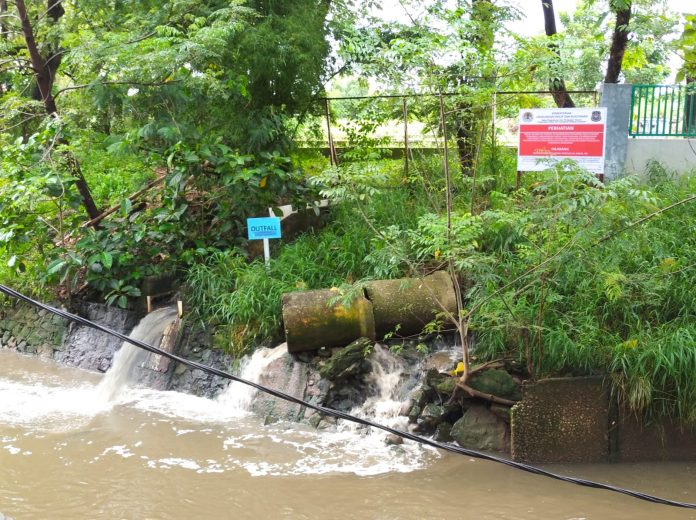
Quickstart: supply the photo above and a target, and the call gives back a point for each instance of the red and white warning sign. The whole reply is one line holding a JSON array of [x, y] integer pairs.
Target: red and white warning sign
[[548, 135]]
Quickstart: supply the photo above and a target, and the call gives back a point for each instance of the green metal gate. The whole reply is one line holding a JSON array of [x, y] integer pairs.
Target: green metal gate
[[663, 111]]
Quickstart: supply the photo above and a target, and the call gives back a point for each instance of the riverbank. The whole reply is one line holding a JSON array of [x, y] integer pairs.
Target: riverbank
[[559, 420], [169, 456]]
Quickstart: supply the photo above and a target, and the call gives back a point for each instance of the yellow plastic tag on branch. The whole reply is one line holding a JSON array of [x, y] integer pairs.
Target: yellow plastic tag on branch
[[459, 370]]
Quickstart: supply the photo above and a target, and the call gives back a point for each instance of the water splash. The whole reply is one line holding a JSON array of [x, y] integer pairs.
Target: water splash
[[129, 357], [391, 383], [238, 397]]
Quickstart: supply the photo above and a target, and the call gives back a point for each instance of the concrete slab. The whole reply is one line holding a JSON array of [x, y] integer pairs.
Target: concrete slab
[[562, 421]]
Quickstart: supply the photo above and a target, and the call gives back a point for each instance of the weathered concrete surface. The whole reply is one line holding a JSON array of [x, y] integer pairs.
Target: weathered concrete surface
[[562, 420], [665, 441], [408, 304], [312, 321], [194, 344], [28, 330], [617, 99], [678, 155]]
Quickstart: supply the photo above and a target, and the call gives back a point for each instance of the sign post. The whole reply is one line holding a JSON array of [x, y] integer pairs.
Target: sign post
[[264, 229], [555, 134]]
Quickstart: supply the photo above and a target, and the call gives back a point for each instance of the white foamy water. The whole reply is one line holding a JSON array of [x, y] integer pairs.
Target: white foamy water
[[47, 404], [238, 397], [129, 357], [65, 454], [45, 407]]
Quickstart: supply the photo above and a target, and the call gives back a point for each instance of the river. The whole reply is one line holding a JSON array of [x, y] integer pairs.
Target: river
[[68, 452]]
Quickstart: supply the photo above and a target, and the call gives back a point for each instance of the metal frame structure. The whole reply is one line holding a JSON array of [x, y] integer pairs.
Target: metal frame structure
[[663, 111]]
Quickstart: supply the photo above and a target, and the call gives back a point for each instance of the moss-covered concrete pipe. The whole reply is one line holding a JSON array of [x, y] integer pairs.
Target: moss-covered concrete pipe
[[405, 306], [408, 304], [313, 320]]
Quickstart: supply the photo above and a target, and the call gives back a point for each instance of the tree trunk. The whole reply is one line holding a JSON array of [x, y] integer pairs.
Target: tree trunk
[[690, 106], [464, 135], [469, 118], [44, 74], [557, 86], [619, 40], [3, 27]]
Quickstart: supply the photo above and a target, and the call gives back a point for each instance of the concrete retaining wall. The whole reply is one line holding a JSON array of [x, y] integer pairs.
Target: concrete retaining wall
[[28, 330], [575, 420], [562, 420], [677, 155], [655, 442]]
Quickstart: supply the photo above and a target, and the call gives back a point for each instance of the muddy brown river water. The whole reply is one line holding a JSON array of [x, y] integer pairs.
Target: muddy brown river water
[[67, 452]]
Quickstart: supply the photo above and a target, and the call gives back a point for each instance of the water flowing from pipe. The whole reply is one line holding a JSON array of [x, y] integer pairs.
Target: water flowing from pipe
[[129, 357]]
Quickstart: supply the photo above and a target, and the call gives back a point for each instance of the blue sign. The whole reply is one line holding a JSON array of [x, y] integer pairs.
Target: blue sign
[[260, 228]]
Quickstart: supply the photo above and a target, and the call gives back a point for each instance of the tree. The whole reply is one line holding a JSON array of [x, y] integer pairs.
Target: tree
[[284, 58], [45, 71], [449, 47], [686, 45], [598, 46], [106, 91], [619, 39], [557, 85]]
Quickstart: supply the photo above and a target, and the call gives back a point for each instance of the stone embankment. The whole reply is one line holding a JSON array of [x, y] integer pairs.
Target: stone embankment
[[558, 420], [31, 331]]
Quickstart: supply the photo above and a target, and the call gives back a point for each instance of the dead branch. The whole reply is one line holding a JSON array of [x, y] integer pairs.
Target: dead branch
[[482, 395], [115, 208]]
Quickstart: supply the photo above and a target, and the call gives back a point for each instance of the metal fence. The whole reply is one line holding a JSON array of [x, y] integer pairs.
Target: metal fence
[[401, 125], [663, 111]]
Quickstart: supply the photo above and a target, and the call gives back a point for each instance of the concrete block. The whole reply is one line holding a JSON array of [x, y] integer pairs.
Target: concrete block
[[562, 421], [661, 441]]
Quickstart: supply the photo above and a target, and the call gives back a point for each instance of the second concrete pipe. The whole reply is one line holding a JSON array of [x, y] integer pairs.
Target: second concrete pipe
[[315, 319]]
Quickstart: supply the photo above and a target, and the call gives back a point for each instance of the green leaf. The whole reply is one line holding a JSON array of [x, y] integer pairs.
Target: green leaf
[[56, 265], [126, 206], [107, 259]]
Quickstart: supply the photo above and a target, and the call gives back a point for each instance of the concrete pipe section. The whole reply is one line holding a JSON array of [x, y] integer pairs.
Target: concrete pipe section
[[315, 319]]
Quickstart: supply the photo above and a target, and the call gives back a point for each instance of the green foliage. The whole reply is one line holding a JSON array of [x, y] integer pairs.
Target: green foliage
[[602, 297], [585, 42], [203, 91], [244, 299], [37, 204], [604, 300], [686, 45], [111, 176]]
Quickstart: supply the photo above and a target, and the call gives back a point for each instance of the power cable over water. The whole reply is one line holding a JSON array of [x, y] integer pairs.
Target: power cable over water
[[342, 415]]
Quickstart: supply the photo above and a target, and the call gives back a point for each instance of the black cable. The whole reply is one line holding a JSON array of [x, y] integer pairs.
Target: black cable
[[342, 415]]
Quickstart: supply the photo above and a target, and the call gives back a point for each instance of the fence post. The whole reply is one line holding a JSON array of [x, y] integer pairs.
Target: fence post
[[405, 110], [494, 145], [333, 156], [617, 99], [690, 107]]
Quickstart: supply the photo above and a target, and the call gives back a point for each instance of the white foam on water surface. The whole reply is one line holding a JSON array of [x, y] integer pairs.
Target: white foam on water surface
[[242, 441]]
